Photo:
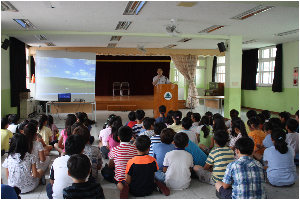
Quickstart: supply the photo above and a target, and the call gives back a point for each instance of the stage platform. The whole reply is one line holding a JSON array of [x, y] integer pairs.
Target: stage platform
[[128, 103]]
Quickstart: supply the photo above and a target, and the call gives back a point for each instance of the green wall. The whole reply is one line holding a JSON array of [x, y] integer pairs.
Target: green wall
[[264, 98], [5, 83]]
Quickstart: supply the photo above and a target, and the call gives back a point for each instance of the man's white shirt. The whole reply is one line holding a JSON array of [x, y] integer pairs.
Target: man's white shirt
[[162, 80]]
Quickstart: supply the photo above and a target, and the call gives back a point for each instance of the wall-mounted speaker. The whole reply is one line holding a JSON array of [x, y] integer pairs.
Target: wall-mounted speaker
[[5, 44], [221, 46]]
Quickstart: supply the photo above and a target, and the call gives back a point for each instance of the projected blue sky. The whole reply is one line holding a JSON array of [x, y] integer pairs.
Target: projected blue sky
[[79, 69]]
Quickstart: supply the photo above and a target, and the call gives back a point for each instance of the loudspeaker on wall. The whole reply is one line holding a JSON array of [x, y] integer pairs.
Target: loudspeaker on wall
[[5, 44], [221, 46]]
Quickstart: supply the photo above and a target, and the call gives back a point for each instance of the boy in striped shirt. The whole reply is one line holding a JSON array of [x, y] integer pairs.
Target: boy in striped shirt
[[218, 158], [120, 155], [158, 127]]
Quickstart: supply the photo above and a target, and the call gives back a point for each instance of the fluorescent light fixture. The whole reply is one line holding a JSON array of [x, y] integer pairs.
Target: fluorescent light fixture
[[249, 41], [185, 40], [112, 45], [7, 6], [133, 7], [211, 29], [287, 33], [252, 12], [41, 37], [50, 44], [123, 25], [186, 4], [170, 46], [25, 23], [115, 38]]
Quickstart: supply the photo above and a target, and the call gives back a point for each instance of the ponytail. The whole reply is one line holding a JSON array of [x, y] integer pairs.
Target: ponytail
[[253, 121], [239, 124], [205, 122], [70, 120], [278, 135], [42, 119], [177, 116], [162, 110], [205, 130]]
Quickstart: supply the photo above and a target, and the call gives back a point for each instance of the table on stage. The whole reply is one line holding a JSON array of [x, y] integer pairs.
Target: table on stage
[[210, 101], [72, 107]]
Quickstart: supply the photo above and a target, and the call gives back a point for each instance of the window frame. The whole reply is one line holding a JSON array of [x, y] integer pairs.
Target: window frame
[[262, 60], [220, 64]]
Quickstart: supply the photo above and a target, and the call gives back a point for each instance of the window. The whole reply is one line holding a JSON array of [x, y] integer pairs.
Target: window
[[220, 71], [266, 66], [176, 76]]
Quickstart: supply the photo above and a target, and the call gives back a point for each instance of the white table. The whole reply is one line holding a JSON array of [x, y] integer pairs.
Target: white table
[[209, 98]]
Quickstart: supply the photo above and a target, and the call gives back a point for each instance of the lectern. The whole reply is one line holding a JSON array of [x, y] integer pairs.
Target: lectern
[[167, 95]]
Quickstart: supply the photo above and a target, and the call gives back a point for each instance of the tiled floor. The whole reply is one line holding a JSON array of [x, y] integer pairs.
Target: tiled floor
[[197, 190]]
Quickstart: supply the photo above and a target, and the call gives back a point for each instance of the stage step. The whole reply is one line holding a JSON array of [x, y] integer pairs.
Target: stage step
[[121, 107]]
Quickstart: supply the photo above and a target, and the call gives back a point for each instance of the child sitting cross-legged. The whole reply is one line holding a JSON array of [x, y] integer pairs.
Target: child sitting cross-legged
[[139, 174], [79, 167], [186, 125], [218, 158], [244, 178], [178, 164], [157, 127], [148, 125]]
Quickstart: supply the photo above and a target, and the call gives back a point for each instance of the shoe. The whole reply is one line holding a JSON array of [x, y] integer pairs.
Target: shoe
[[125, 191], [162, 188], [43, 180]]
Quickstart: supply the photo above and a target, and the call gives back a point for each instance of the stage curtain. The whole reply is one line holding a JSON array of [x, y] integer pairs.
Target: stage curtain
[[187, 65], [17, 70], [277, 81], [214, 68], [249, 69], [139, 75]]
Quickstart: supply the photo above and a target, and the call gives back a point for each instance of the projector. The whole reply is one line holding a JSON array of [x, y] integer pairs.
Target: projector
[[78, 100]]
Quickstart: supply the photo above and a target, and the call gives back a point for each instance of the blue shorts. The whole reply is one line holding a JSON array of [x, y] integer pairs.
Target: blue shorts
[[225, 193]]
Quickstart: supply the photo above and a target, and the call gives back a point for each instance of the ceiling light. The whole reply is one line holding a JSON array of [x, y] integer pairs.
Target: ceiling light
[[249, 41], [170, 46], [252, 12], [25, 23], [133, 7], [186, 4], [287, 33], [112, 45], [7, 6], [210, 29], [123, 25], [50, 44], [184, 40], [41, 37], [115, 38]]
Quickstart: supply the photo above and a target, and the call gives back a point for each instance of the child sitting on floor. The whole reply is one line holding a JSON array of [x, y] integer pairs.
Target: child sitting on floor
[[176, 126], [169, 119], [13, 123], [79, 167], [113, 139], [162, 110], [284, 116], [244, 178], [5, 136], [196, 117], [257, 134], [148, 125], [104, 133], [233, 113], [139, 114], [186, 124], [139, 174], [178, 164], [132, 118], [292, 138], [44, 131], [157, 127]]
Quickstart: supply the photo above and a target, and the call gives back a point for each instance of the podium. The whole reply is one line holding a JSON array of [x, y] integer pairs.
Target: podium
[[167, 95]]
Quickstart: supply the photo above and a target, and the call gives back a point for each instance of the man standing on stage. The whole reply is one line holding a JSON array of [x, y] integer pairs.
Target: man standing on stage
[[160, 79]]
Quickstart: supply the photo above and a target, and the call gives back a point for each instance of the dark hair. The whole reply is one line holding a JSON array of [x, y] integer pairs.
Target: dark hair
[[142, 143], [4, 122], [75, 125], [22, 125], [234, 113], [239, 124], [79, 166], [219, 123], [197, 117], [30, 132], [42, 120], [268, 126], [297, 113], [147, 123], [167, 135], [33, 122], [83, 118], [261, 119], [285, 115], [14, 118], [70, 120], [50, 121], [245, 145], [253, 121], [292, 124], [189, 114], [158, 127], [251, 113], [18, 144], [266, 113], [111, 121], [187, 123], [114, 130], [181, 140], [177, 116], [109, 117], [221, 137], [205, 122], [84, 132], [74, 144], [159, 68], [275, 121], [125, 133], [162, 110], [140, 114], [278, 135], [210, 116], [169, 119], [131, 116]]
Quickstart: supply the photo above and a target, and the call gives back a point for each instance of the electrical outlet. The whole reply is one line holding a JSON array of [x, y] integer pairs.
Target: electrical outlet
[[291, 108]]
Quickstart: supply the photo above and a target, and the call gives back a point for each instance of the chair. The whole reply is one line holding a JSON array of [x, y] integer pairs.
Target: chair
[[125, 86], [116, 86]]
